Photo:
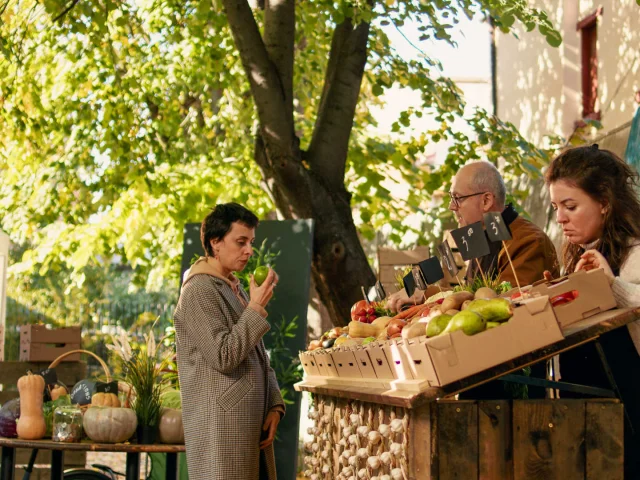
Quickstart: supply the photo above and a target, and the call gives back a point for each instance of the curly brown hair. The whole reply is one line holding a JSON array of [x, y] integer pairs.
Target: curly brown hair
[[606, 178]]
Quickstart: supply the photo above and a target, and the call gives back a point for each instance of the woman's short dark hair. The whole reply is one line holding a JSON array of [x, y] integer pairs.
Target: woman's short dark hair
[[606, 178], [218, 223]]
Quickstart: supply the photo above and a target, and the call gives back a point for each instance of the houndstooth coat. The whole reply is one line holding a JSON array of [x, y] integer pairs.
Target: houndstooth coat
[[226, 381]]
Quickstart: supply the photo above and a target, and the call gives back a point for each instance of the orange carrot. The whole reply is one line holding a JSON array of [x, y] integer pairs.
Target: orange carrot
[[409, 311]]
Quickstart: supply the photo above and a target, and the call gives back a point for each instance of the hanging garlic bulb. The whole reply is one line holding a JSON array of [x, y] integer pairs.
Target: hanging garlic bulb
[[385, 458], [362, 473], [396, 426], [346, 431], [346, 471], [374, 462], [344, 423], [325, 454], [374, 437], [375, 478], [385, 477], [315, 447], [363, 430], [313, 414], [315, 462], [355, 419], [307, 473], [384, 430], [395, 449], [396, 474], [343, 442], [326, 419], [353, 461], [310, 430], [326, 468], [346, 454], [315, 476], [353, 439], [307, 445], [324, 436], [362, 453]]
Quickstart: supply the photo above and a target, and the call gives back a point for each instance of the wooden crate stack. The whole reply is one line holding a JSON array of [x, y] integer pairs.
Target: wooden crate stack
[[41, 344], [391, 261], [68, 373]]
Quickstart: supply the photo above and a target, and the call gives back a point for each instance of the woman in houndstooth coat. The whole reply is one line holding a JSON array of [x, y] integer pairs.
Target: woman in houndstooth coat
[[231, 403]]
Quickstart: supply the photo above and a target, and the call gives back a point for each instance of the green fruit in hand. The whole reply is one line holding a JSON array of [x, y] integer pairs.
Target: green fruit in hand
[[260, 275], [495, 310], [468, 321], [437, 325]]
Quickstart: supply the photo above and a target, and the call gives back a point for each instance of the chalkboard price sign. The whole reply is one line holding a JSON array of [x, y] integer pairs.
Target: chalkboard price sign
[[471, 241], [50, 376], [497, 229], [409, 283], [431, 270], [446, 255], [111, 387]]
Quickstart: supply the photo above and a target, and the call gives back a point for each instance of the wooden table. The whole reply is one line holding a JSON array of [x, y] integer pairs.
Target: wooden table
[[132, 450], [442, 439]]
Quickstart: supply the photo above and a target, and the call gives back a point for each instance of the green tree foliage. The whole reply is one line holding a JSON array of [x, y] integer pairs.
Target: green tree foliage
[[124, 120]]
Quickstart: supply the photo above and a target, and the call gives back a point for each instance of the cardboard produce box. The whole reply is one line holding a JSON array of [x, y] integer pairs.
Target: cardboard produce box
[[449, 357], [594, 295], [346, 363], [308, 363]]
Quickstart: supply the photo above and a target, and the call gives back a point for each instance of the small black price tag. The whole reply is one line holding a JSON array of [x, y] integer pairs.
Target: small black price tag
[[380, 293], [82, 392], [409, 283], [431, 270], [111, 387], [446, 256], [418, 278], [50, 376], [471, 241], [497, 229]]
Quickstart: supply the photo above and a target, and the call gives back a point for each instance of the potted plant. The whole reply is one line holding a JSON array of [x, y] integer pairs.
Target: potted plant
[[142, 369]]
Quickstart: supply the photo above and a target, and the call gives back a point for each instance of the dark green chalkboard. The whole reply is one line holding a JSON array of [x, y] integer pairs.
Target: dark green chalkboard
[[294, 240]]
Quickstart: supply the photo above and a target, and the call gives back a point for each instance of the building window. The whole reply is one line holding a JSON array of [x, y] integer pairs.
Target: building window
[[588, 28]]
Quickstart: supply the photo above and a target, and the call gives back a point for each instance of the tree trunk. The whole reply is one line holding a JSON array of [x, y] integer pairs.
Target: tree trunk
[[314, 188], [340, 266]]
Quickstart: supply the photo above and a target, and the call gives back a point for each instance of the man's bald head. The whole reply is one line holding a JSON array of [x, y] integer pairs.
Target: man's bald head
[[485, 177], [479, 188]]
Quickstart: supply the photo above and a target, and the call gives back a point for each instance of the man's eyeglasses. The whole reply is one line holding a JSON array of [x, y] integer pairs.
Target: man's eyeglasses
[[455, 199]]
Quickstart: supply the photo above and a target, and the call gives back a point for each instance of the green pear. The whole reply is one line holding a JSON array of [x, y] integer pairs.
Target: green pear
[[494, 310], [493, 325], [437, 325], [468, 321]]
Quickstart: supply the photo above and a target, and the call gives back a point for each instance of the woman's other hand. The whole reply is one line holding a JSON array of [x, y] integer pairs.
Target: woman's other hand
[[263, 293], [592, 259], [270, 426]]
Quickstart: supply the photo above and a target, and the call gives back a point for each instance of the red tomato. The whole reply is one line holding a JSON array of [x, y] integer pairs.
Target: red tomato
[[359, 308], [564, 298]]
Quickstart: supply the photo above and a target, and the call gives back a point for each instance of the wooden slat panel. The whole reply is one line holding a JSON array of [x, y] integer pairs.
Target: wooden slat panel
[[604, 440], [387, 274], [420, 445], [458, 440], [389, 256], [548, 439], [495, 443], [68, 372], [42, 334]]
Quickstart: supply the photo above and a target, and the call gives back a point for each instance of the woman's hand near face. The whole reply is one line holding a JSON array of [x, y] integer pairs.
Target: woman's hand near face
[[592, 259], [263, 293]]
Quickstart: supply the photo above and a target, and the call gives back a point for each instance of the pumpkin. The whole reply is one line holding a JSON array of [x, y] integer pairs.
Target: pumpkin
[[109, 424], [105, 400], [170, 429], [31, 425], [58, 391]]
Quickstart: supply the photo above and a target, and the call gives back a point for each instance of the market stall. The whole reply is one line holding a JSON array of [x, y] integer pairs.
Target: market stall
[[386, 409]]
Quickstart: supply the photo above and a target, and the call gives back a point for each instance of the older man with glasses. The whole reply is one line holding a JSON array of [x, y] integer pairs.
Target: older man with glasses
[[478, 188]]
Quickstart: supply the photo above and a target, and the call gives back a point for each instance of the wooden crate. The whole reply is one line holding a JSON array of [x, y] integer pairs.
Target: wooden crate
[[391, 261], [483, 440], [41, 344]]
